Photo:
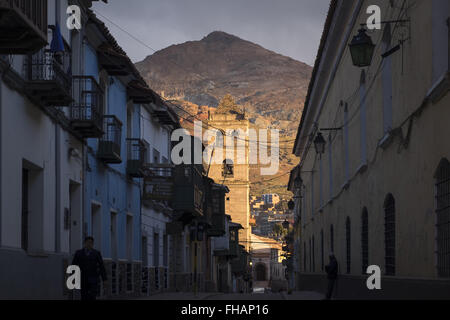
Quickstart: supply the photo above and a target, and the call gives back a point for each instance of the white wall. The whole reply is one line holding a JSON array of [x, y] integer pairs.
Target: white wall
[[28, 134]]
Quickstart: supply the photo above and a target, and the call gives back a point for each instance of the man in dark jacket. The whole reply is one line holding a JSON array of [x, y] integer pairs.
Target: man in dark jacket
[[332, 272], [91, 265]]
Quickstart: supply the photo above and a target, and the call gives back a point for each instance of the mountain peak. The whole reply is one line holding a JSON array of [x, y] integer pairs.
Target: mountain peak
[[220, 36]]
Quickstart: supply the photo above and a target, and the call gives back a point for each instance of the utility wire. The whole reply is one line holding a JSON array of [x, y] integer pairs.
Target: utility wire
[[196, 74]]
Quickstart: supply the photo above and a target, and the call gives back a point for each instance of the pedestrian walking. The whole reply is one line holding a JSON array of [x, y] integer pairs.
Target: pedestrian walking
[[91, 265], [332, 275]]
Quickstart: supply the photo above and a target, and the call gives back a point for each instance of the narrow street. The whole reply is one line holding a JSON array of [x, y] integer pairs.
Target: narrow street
[[259, 296]]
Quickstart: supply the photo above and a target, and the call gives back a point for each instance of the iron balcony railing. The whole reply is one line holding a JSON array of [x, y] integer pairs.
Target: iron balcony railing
[[188, 189], [23, 26], [136, 151], [86, 111], [48, 77], [158, 182], [109, 147]]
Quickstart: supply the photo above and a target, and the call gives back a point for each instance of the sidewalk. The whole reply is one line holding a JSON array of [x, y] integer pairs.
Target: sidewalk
[[182, 296], [303, 295]]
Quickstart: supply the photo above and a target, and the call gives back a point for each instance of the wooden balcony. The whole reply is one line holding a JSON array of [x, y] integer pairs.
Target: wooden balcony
[[239, 265], [109, 146], [234, 246], [188, 190], [23, 26], [136, 151], [48, 80], [218, 193], [140, 93], [234, 239], [114, 62], [86, 110], [158, 182]]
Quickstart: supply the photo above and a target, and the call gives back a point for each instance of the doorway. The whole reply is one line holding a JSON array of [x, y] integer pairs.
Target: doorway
[[96, 223], [76, 222], [261, 272]]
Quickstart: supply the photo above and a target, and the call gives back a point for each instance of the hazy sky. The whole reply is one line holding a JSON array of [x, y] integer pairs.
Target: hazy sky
[[290, 27]]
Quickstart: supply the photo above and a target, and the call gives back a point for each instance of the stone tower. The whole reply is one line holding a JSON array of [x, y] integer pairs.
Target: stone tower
[[230, 119]]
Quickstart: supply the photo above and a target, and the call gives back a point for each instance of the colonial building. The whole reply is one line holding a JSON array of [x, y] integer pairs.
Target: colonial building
[[373, 182], [234, 173], [42, 147], [157, 124]]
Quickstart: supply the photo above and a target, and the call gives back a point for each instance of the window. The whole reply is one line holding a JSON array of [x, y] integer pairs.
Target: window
[[321, 198], [228, 169], [363, 119], [156, 156], [113, 235], [312, 195], [346, 145], [165, 251], [332, 238], [443, 218], [144, 248], [313, 255], [129, 124], [147, 156], [348, 234], [330, 165], [310, 255], [440, 36], [156, 250], [322, 251], [365, 240], [387, 82], [129, 238], [129, 277], [389, 235], [32, 232], [25, 208], [304, 256]]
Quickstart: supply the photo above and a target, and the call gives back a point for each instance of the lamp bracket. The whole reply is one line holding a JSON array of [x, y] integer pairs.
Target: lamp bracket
[[389, 21], [331, 129]]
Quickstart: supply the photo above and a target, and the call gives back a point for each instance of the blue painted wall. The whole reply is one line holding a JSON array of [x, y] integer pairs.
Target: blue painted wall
[[109, 185]]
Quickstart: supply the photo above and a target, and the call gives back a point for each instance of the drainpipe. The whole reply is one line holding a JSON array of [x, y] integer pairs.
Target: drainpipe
[[57, 189], [1, 157]]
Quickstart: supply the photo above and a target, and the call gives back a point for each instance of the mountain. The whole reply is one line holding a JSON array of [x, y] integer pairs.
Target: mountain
[[272, 88]]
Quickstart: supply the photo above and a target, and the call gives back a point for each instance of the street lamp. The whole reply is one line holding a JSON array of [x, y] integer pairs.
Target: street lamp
[[362, 49], [319, 144], [291, 205], [298, 183]]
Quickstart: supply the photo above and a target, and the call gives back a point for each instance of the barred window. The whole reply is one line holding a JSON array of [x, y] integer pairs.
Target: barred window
[[365, 240], [443, 218], [129, 277], [389, 235], [348, 243]]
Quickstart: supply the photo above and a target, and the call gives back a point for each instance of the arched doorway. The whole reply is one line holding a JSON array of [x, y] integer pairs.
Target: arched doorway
[[261, 272]]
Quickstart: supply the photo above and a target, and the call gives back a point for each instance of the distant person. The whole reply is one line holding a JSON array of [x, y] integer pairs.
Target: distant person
[[332, 274], [91, 265]]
